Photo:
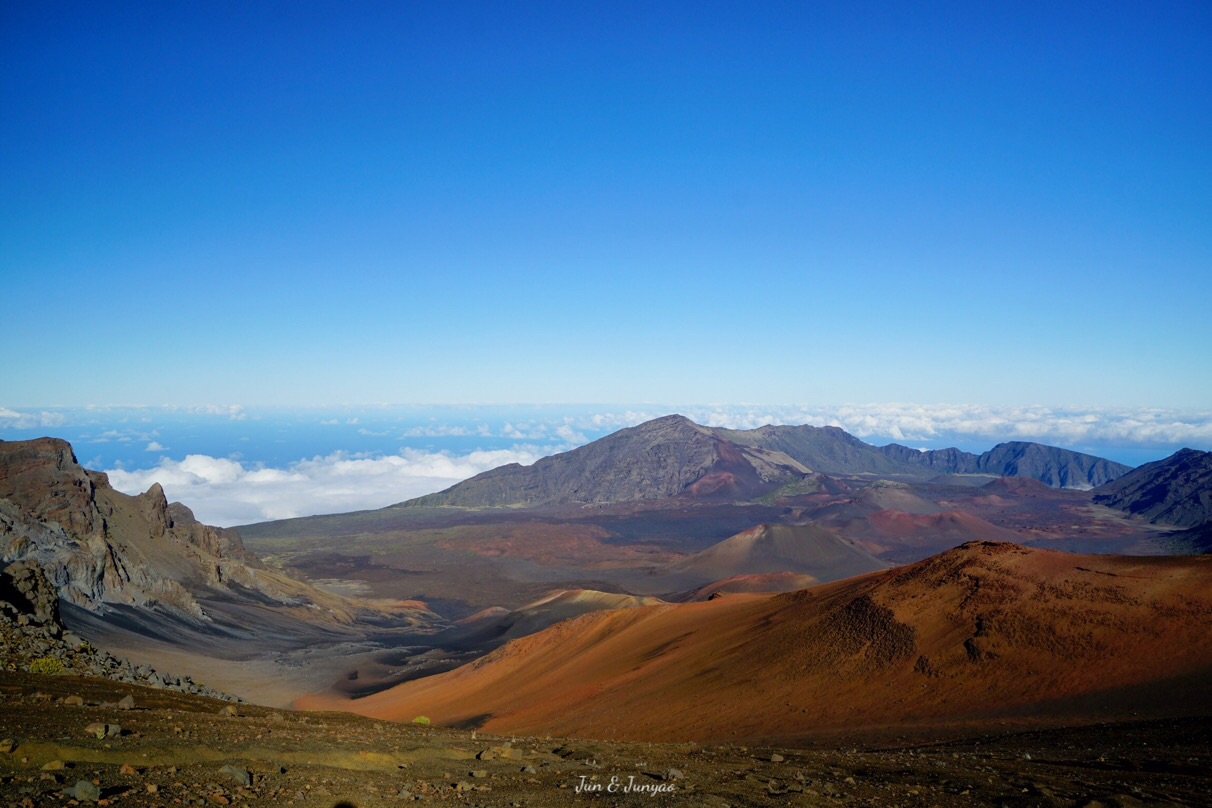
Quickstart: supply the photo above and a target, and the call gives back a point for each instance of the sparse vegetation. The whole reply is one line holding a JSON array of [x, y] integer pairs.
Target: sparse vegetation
[[421, 719], [46, 665]]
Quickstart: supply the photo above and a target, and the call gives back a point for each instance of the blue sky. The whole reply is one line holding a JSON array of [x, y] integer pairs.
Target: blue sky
[[349, 203]]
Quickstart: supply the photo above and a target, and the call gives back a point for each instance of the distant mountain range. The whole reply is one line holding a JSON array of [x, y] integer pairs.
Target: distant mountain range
[[674, 457], [1174, 491], [1059, 468]]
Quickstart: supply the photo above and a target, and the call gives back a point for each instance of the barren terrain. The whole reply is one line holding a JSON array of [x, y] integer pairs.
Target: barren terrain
[[175, 749], [980, 634]]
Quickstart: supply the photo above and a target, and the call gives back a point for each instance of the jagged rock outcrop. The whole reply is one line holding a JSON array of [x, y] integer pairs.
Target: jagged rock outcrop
[[98, 547], [26, 596]]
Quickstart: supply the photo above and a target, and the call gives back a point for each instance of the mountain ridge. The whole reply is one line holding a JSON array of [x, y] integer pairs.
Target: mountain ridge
[[1176, 490], [1053, 466], [672, 457]]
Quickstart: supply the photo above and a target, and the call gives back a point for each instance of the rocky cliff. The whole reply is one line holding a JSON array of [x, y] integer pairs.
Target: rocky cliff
[[98, 547]]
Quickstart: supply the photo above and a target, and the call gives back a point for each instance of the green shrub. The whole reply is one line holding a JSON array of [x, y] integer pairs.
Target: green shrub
[[421, 719], [47, 665]]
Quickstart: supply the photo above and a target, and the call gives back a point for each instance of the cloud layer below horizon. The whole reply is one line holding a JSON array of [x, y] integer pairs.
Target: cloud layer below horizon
[[231, 490], [1067, 426], [226, 492]]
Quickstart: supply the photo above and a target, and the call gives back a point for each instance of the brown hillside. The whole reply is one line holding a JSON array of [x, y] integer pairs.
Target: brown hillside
[[768, 548], [983, 632], [934, 532], [765, 582]]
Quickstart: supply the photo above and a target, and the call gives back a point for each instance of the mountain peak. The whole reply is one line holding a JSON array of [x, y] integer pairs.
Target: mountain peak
[[666, 457], [672, 456]]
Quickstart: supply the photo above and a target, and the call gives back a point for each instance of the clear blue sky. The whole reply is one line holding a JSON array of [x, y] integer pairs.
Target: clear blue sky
[[304, 203]]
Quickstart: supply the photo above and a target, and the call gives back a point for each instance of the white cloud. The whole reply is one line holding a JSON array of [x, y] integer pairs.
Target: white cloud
[[13, 419], [225, 492], [567, 433], [527, 430], [900, 422], [235, 412], [154, 446], [441, 431], [914, 422]]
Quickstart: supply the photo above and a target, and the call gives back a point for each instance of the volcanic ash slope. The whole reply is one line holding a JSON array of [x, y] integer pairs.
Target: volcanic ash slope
[[984, 632]]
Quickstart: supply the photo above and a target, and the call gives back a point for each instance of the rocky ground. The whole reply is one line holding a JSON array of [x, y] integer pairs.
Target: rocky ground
[[69, 740], [43, 646]]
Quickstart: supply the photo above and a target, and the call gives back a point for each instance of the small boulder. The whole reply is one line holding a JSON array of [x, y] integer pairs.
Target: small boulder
[[240, 777], [479, 773], [104, 730], [127, 702], [84, 791], [229, 711], [74, 701], [7, 746], [777, 758], [54, 766]]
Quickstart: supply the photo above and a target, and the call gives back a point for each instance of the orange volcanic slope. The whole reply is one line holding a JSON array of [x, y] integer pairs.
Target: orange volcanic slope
[[766, 582], [981, 632]]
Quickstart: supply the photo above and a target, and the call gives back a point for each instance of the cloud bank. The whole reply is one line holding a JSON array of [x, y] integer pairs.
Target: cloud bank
[[922, 422], [237, 490], [12, 419], [226, 492]]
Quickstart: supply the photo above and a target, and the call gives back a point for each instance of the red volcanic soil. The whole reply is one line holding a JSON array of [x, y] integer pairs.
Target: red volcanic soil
[[768, 582], [767, 548], [982, 633], [935, 530]]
